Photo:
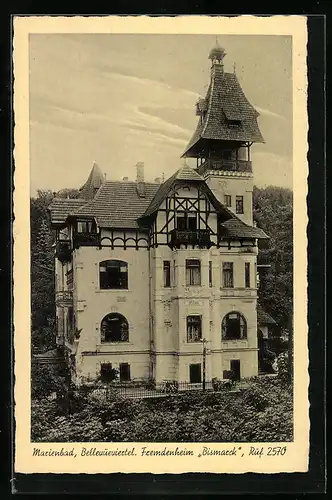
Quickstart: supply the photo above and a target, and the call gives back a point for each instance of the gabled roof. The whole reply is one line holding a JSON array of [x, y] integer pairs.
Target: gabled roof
[[263, 318], [226, 103], [184, 173], [60, 208], [235, 228], [93, 183], [117, 204]]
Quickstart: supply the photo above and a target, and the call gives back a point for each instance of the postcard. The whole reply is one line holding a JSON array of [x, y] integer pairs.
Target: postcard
[[160, 265]]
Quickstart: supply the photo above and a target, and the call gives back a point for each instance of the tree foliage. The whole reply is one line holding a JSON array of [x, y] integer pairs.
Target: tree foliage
[[42, 269], [273, 212], [261, 413]]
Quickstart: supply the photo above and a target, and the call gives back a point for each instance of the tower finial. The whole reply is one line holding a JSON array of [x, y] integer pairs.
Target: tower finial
[[234, 68]]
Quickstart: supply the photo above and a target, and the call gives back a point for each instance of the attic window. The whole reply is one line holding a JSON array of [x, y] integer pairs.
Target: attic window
[[233, 122], [232, 117]]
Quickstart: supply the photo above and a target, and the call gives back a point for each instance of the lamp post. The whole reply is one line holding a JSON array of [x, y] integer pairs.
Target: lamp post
[[204, 342]]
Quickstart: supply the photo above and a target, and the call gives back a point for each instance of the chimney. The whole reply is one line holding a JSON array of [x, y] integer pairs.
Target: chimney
[[140, 179], [157, 180], [125, 179], [140, 172]]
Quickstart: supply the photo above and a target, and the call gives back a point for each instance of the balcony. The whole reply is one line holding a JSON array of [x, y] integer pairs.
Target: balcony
[[196, 238], [63, 250], [263, 261], [64, 298], [86, 239], [226, 165]]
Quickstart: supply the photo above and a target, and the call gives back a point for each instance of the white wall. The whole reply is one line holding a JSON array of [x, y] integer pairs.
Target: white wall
[[233, 185]]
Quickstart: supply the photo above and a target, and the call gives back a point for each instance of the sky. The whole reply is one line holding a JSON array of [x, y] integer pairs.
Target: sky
[[122, 99]]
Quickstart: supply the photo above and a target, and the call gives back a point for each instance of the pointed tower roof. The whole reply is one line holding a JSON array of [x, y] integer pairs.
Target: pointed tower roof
[[225, 113], [93, 183]]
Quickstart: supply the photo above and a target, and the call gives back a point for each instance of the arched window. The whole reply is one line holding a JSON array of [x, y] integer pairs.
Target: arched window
[[114, 328], [113, 275], [234, 326]]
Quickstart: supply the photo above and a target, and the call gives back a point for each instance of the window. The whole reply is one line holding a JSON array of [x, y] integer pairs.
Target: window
[[113, 274], [210, 273], [114, 328], [124, 372], [167, 273], [234, 327], [70, 320], [193, 272], [192, 221], [186, 220], [228, 200], [239, 205], [227, 270], [86, 227], [107, 373], [195, 373], [194, 328], [247, 274]]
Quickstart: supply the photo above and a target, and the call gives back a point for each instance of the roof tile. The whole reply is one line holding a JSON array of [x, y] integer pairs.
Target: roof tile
[[226, 103]]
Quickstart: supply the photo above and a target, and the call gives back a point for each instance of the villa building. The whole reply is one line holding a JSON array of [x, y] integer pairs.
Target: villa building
[[146, 271]]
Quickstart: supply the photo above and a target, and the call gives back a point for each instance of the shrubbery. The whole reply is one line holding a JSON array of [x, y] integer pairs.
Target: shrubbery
[[261, 412]]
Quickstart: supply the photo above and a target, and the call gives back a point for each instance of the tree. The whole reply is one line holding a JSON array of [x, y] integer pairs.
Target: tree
[[42, 273], [273, 212], [42, 268]]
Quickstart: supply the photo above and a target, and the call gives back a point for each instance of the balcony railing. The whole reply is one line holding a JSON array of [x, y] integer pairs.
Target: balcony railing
[[64, 298], [263, 261], [198, 237], [63, 250], [227, 165], [86, 239]]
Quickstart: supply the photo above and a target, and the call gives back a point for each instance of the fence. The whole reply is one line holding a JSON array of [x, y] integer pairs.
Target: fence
[[146, 390]]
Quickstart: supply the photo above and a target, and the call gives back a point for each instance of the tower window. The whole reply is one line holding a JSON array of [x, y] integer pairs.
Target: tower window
[[113, 275], [234, 327], [195, 373], [167, 273], [247, 274], [228, 274], [193, 272], [228, 200], [239, 205], [194, 328], [114, 328]]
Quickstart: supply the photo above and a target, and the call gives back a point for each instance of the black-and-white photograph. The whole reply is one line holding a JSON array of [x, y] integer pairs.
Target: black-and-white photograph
[[161, 208]]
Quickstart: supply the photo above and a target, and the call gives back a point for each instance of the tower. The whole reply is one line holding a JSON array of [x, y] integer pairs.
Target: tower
[[226, 129]]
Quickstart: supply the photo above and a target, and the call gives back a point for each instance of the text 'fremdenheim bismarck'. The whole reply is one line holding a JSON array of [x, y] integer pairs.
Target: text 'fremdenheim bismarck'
[[143, 451]]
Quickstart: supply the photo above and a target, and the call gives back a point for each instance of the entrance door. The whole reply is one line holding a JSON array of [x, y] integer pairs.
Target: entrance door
[[195, 373], [235, 367]]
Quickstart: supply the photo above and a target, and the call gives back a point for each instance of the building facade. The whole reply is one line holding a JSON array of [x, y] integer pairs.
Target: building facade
[[146, 271]]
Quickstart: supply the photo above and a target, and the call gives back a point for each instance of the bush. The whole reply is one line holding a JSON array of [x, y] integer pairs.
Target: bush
[[282, 363], [47, 379], [261, 413], [169, 386], [217, 384]]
